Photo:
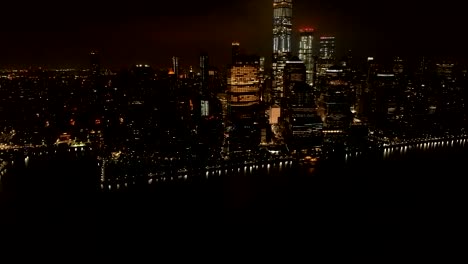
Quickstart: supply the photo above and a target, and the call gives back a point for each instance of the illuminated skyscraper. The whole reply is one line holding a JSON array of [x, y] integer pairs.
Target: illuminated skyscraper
[[243, 102], [204, 66], [306, 52], [300, 110], [244, 86], [262, 64], [326, 54], [175, 66], [327, 48], [294, 72], [282, 29]]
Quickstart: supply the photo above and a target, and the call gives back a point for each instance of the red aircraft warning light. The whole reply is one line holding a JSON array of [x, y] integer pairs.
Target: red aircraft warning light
[[306, 29]]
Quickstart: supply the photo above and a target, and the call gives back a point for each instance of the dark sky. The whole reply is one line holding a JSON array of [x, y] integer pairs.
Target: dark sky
[[54, 33]]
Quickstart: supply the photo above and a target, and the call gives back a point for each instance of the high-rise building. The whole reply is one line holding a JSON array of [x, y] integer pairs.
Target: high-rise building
[[327, 48], [95, 61], [244, 103], [95, 79], [235, 52], [262, 64], [306, 52], [243, 86], [282, 29], [335, 100], [204, 68], [294, 72], [326, 54], [300, 111], [175, 66]]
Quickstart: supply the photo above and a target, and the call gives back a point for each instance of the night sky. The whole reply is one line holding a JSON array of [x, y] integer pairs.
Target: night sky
[[53, 33]]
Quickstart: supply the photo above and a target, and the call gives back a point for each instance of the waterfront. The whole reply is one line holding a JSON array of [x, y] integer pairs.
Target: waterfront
[[409, 169], [51, 194]]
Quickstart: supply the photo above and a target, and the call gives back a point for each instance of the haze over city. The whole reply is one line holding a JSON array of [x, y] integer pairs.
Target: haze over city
[[60, 34]]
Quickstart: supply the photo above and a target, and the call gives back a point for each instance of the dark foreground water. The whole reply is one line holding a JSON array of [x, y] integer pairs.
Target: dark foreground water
[[264, 195]]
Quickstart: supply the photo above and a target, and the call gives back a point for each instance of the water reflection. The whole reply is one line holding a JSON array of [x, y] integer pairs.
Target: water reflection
[[311, 170], [389, 152]]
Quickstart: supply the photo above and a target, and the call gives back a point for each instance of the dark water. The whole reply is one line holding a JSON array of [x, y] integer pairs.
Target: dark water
[[291, 193]]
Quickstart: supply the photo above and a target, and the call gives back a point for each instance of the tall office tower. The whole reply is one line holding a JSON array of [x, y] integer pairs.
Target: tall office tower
[[327, 48], [95, 80], [334, 102], [261, 76], [262, 64], [175, 66], [306, 53], [383, 101], [235, 52], [95, 61], [326, 54], [399, 65], [204, 67], [295, 72], [191, 73], [243, 102], [243, 86], [300, 112], [282, 29]]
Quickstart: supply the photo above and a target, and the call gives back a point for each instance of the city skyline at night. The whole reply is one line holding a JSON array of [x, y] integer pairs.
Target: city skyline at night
[[231, 106], [152, 33]]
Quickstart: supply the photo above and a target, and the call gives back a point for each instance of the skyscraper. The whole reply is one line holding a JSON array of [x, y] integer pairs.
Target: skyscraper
[[306, 52], [243, 85], [235, 52], [95, 72], [326, 54], [175, 66], [94, 59], [282, 29], [204, 66], [300, 110], [244, 102], [327, 48], [294, 72]]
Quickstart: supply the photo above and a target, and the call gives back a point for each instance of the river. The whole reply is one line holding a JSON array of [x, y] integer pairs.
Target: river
[[419, 170]]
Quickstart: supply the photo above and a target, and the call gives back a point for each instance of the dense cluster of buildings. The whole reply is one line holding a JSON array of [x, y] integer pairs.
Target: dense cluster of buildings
[[306, 101]]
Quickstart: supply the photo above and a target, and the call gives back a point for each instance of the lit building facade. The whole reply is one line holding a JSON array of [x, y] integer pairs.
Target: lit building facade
[[282, 29], [294, 72], [334, 105], [381, 103], [306, 52], [300, 111], [385, 104], [243, 86], [327, 48], [326, 54], [175, 66], [204, 68], [243, 101]]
